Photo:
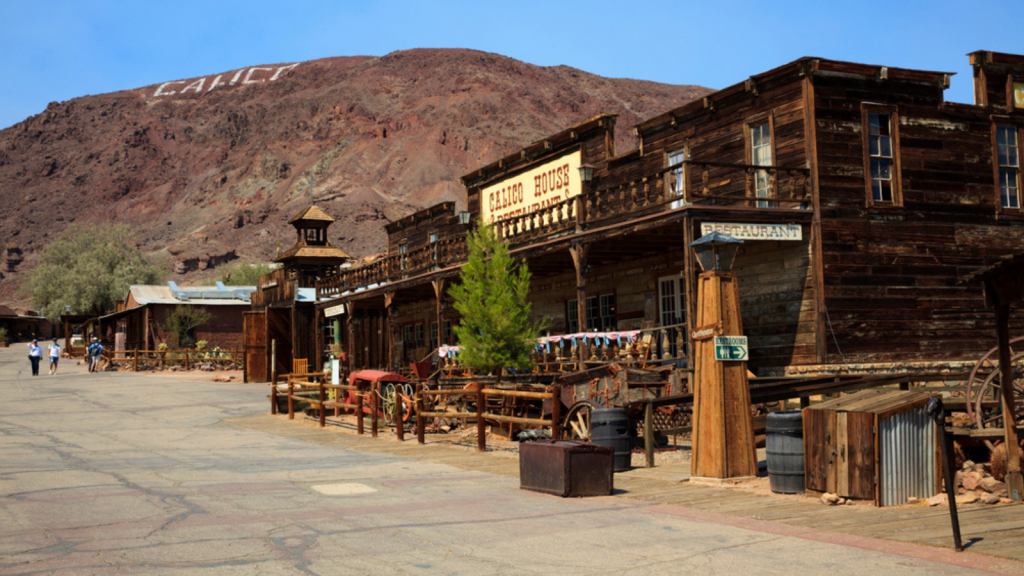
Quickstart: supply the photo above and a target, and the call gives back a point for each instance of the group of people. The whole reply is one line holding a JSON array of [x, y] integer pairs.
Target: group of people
[[35, 355]]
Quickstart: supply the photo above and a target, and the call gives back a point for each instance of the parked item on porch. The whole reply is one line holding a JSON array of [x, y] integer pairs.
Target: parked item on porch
[[784, 445], [566, 468], [610, 427]]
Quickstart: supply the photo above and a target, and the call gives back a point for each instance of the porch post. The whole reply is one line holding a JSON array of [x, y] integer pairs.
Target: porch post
[[439, 287], [350, 324], [389, 299], [1014, 480], [579, 261]]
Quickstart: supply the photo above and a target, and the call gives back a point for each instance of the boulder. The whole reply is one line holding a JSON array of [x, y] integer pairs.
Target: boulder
[[967, 498], [991, 485], [990, 499], [937, 500], [971, 480], [829, 498]]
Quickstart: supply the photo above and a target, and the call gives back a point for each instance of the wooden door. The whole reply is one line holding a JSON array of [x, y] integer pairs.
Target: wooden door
[[860, 455], [279, 329], [819, 469], [254, 330]]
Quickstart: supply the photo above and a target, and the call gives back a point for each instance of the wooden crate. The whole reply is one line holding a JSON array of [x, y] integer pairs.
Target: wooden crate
[[873, 445]]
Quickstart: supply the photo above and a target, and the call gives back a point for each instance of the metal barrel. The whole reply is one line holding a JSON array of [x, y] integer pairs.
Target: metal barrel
[[784, 445], [610, 427]]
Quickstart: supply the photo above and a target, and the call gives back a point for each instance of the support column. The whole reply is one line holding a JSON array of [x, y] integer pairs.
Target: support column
[[389, 299], [1014, 479], [350, 324], [440, 285], [579, 261]]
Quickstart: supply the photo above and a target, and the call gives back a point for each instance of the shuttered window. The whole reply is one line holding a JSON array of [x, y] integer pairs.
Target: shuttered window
[[1008, 158]]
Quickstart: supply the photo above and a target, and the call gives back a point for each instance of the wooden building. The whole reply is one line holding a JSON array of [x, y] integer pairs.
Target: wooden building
[[143, 316], [861, 196], [283, 319]]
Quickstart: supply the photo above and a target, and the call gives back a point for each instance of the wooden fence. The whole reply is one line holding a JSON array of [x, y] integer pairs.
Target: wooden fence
[[185, 358]]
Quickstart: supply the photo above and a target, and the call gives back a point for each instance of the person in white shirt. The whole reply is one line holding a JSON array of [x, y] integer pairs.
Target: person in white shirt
[[35, 354], [54, 356]]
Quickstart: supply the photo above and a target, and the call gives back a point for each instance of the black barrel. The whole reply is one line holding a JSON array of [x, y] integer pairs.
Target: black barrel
[[784, 445], [610, 427]]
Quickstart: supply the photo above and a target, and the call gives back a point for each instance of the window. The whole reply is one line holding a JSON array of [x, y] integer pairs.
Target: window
[[676, 182], [407, 337], [607, 312], [448, 334], [881, 155], [1008, 154], [433, 335], [403, 257], [600, 313], [418, 330], [670, 309], [880, 151], [433, 246], [761, 155]]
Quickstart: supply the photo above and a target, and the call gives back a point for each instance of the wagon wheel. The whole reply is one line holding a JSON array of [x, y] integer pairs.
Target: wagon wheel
[[991, 386], [576, 424], [388, 396], [980, 374]]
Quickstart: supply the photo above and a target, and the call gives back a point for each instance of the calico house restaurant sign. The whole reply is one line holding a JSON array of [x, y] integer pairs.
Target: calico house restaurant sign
[[754, 231], [530, 191]]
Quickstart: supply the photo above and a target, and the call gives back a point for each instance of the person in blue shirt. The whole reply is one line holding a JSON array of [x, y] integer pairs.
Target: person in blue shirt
[[35, 354], [95, 349]]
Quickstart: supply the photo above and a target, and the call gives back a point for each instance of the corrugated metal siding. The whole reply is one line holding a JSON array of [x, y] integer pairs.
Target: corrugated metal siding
[[906, 443]]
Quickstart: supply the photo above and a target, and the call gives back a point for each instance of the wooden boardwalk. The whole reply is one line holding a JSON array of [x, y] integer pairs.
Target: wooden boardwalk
[[991, 530]]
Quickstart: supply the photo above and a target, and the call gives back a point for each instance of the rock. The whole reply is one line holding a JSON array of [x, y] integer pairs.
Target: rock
[[991, 485], [968, 465], [912, 500], [829, 498], [841, 502], [990, 499], [967, 498], [1005, 501], [980, 469], [971, 480], [221, 378], [937, 500]]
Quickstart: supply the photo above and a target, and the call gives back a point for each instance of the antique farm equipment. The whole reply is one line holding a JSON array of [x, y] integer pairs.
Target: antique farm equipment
[[566, 468], [984, 386], [875, 445]]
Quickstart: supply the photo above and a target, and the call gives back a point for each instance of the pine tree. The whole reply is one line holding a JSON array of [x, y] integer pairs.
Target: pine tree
[[495, 331]]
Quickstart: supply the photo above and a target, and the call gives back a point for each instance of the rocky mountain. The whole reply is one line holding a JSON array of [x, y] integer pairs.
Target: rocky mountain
[[207, 170]]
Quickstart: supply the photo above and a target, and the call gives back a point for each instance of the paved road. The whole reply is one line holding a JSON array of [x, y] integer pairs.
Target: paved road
[[122, 473]]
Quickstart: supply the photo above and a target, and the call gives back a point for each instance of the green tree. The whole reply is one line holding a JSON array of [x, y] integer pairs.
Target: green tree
[[183, 320], [495, 331], [245, 274], [88, 268]]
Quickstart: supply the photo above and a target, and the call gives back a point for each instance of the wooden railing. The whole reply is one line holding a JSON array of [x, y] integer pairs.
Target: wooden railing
[[688, 182], [185, 358]]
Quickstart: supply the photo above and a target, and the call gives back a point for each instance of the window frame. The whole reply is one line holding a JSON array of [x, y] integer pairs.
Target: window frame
[[748, 159], [571, 310], [418, 333], [679, 191], [895, 170], [1004, 121]]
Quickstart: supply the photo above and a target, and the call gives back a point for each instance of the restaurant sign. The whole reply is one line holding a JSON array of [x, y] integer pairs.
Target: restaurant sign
[[334, 311], [754, 231], [1018, 94], [533, 190]]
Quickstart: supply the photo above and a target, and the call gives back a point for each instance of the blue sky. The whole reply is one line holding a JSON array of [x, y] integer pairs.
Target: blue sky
[[58, 50]]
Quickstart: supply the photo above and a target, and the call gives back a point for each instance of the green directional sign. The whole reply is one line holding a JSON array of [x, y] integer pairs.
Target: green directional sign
[[731, 348]]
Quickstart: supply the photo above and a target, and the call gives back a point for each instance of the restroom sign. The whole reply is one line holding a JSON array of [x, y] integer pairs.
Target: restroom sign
[[731, 348]]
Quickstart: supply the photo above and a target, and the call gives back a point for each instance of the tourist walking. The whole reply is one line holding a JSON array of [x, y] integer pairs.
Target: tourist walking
[[95, 349], [35, 354], [54, 356]]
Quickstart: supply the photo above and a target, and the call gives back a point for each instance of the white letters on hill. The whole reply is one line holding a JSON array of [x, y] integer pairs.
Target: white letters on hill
[[254, 75]]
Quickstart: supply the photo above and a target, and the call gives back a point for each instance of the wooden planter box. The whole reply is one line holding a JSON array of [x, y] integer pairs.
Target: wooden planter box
[[873, 445]]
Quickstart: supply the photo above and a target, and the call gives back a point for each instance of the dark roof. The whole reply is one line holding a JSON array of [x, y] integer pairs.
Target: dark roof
[[303, 251], [1006, 264]]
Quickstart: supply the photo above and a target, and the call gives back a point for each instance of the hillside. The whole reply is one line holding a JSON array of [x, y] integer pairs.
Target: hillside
[[208, 169]]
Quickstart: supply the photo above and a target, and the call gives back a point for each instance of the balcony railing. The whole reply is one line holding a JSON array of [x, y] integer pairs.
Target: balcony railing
[[689, 182]]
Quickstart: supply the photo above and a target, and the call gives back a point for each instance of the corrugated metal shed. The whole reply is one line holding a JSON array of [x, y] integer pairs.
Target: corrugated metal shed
[[198, 295], [876, 444]]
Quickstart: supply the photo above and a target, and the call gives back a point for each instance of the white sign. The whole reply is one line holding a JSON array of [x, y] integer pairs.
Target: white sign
[[254, 75], [334, 311], [335, 372], [547, 184], [754, 231], [731, 348]]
